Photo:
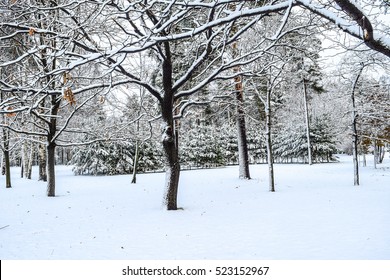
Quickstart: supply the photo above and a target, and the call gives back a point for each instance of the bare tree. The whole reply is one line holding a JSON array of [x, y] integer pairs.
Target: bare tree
[[354, 129]]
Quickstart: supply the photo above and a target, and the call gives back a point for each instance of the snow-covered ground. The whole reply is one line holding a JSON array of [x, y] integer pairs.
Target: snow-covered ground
[[315, 213]]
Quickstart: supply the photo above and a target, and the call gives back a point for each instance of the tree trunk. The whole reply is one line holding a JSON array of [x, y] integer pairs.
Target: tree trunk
[[170, 145], [6, 160], [355, 149], [42, 163], [7, 169], [270, 157], [381, 156], [355, 132], [171, 155], [307, 118], [172, 168], [375, 154], [30, 161], [51, 161], [21, 166], [364, 160], [135, 165], [6, 156], [243, 156], [51, 146], [25, 158]]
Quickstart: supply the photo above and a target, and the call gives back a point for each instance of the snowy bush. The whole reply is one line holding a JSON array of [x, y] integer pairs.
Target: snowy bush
[[111, 158], [291, 142]]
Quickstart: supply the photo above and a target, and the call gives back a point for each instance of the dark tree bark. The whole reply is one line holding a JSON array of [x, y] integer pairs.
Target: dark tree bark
[[241, 128], [375, 153], [51, 146], [243, 157], [135, 165], [7, 169], [355, 151], [270, 156], [381, 153], [6, 154], [172, 168], [171, 157], [7, 166], [51, 178], [169, 137]]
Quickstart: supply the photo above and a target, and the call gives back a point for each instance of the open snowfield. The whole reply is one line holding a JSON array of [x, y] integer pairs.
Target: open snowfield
[[315, 213]]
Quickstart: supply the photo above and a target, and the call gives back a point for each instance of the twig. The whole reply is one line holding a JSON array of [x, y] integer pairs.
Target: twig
[[4, 226]]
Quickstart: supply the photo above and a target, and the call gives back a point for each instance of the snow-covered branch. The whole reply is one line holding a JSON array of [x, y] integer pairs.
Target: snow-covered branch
[[359, 25]]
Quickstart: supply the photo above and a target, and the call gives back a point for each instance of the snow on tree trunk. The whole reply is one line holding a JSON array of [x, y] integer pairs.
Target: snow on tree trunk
[[307, 118], [172, 168], [170, 148]]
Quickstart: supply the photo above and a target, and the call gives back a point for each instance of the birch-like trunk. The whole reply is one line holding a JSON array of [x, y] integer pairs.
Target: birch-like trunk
[[25, 159], [42, 163], [364, 160], [30, 161], [355, 132]]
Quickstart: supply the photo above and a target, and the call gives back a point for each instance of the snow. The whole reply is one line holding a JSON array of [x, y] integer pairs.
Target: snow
[[315, 213]]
